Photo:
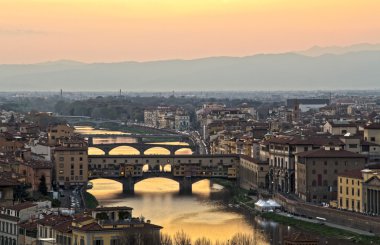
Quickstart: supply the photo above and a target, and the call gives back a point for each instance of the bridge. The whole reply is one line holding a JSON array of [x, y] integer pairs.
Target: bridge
[[185, 169], [139, 137], [140, 147]]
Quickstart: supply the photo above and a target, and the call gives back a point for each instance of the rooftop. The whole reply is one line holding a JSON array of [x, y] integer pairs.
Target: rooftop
[[353, 174], [323, 153]]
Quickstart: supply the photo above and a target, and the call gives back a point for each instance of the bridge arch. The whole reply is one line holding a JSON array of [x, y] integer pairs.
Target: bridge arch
[[184, 151], [124, 150], [157, 150], [95, 151]]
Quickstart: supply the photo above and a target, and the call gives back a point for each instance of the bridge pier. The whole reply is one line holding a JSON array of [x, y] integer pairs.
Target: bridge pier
[[185, 186], [128, 185]]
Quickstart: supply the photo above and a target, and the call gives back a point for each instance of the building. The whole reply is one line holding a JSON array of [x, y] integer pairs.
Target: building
[[253, 173], [10, 217], [359, 191], [371, 190], [317, 172], [350, 191], [167, 117], [7, 185], [59, 131], [33, 171], [340, 127], [109, 225], [281, 151], [372, 133], [71, 163]]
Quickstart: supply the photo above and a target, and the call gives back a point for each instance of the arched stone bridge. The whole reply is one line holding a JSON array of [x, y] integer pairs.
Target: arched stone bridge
[[141, 147], [185, 169]]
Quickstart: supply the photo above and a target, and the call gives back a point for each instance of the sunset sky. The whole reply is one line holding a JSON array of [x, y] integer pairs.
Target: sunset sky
[[119, 30]]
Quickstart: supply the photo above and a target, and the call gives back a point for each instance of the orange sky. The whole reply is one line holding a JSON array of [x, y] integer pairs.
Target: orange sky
[[116, 30]]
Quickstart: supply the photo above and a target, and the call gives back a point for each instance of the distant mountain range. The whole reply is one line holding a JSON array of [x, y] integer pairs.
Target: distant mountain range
[[318, 51], [354, 67]]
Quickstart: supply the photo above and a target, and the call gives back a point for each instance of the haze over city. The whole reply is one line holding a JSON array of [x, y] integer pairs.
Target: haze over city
[[189, 122]]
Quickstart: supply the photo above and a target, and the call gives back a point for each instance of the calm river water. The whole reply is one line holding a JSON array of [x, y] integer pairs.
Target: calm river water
[[204, 213]]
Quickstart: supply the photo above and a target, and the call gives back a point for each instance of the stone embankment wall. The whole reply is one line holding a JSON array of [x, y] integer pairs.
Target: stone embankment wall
[[336, 216]]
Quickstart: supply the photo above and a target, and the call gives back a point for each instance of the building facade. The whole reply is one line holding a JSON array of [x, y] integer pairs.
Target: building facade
[[317, 172]]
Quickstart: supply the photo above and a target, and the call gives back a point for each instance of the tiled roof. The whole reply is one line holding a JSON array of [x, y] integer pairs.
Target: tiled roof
[[322, 153], [8, 217], [354, 174], [21, 206], [373, 126], [51, 220], [4, 182], [105, 209], [257, 161]]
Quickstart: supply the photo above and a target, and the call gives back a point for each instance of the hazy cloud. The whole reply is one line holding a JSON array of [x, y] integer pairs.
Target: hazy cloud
[[20, 32]]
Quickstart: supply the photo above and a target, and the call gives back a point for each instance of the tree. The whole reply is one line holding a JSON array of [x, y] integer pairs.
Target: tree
[[12, 119], [181, 238], [42, 188], [203, 241]]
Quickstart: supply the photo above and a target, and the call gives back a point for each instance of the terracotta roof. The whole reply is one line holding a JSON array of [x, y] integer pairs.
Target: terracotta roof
[[257, 161], [6, 181], [64, 227], [354, 174], [105, 209], [373, 126], [30, 225], [322, 153], [8, 217], [21, 206], [338, 123], [62, 148], [38, 164], [51, 220]]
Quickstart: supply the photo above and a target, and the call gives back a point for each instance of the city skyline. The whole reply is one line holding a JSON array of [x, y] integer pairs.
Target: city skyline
[[144, 30]]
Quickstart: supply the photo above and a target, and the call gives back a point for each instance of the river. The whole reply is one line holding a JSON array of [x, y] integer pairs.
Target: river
[[204, 213]]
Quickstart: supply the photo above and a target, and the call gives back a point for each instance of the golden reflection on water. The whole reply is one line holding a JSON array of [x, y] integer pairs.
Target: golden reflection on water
[[91, 130], [157, 200]]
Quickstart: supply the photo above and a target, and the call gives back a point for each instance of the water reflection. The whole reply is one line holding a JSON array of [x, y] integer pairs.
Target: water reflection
[[201, 214]]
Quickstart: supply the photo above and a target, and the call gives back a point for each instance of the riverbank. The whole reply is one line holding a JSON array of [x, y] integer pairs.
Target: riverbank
[[321, 229], [90, 200], [241, 197]]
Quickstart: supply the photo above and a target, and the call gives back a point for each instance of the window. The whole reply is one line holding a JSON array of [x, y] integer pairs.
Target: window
[[98, 242], [325, 163], [72, 159], [352, 146], [115, 241], [61, 159], [325, 171], [373, 139]]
